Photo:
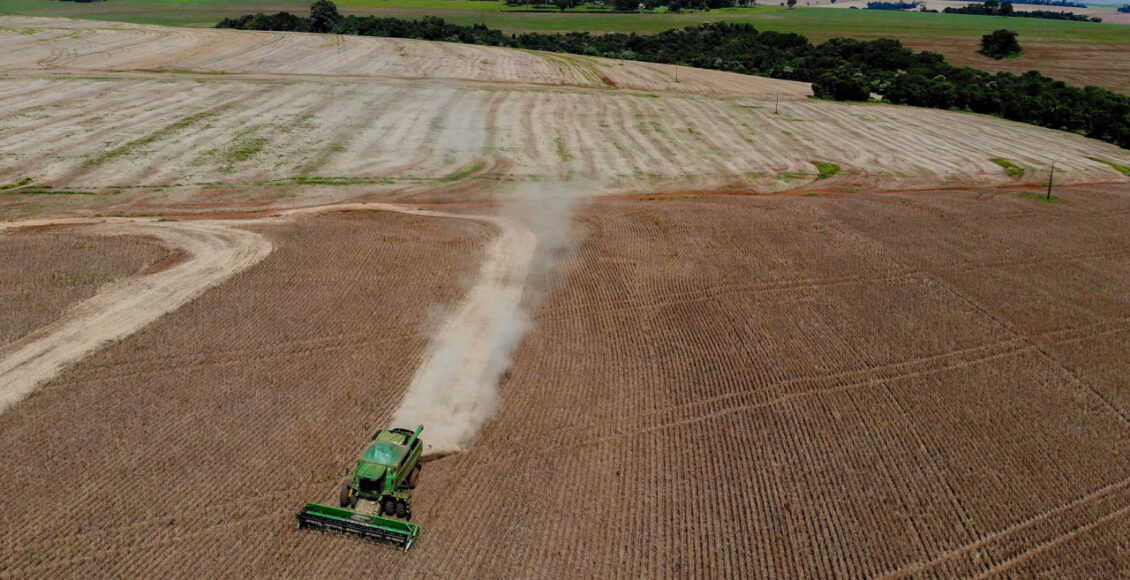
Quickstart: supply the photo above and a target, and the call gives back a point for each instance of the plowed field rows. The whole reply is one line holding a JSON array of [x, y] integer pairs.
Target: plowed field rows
[[722, 386], [150, 443], [42, 272]]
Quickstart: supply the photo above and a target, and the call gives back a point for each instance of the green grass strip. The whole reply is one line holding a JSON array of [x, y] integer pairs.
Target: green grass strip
[[1011, 168], [1124, 169]]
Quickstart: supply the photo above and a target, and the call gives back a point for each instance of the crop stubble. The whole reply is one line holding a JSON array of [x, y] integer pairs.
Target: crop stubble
[[47, 270], [165, 448], [178, 118]]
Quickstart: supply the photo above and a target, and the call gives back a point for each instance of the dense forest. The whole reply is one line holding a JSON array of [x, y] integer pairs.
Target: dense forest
[[1062, 3], [892, 5], [840, 69], [994, 8]]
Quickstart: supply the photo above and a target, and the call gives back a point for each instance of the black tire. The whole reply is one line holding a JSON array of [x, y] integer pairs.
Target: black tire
[[389, 506], [401, 509], [414, 477], [345, 498]]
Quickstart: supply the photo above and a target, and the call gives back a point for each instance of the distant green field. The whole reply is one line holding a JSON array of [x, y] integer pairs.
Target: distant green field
[[816, 23]]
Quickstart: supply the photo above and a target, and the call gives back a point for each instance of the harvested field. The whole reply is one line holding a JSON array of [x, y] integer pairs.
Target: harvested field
[[45, 271], [1075, 52], [1081, 63], [254, 137], [772, 386], [859, 381], [203, 255], [59, 46], [296, 357]]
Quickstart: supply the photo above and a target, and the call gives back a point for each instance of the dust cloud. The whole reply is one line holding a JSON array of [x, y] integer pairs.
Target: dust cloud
[[455, 388]]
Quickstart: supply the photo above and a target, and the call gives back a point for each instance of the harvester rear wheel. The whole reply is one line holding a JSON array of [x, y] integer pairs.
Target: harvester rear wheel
[[401, 509], [345, 498], [389, 506], [414, 477]]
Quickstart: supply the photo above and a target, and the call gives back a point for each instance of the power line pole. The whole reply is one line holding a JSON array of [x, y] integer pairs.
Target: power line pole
[[1050, 177]]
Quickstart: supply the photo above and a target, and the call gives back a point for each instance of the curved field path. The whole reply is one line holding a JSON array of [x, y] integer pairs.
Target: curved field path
[[454, 389], [216, 252]]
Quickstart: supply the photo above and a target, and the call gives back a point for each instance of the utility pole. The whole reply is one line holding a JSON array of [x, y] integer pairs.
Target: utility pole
[[676, 73], [777, 105], [1050, 177]]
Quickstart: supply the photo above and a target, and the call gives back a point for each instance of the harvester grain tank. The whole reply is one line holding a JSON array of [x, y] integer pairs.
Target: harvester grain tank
[[377, 502]]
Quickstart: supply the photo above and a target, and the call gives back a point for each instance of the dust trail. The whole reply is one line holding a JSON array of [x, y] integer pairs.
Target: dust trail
[[218, 251], [455, 389]]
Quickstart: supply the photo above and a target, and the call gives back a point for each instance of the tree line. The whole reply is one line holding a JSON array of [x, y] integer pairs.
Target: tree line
[[994, 8], [841, 69], [629, 5], [892, 5], [1063, 3]]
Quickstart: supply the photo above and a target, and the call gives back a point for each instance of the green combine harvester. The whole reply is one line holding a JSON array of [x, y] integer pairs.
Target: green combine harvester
[[382, 486]]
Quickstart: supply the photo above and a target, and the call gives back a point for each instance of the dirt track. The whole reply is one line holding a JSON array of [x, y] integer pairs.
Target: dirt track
[[455, 386], [217, 251]]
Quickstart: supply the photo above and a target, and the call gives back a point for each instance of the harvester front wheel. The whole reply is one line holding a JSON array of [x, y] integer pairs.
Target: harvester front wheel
[[414, 477], [345, 498], [389, 506]]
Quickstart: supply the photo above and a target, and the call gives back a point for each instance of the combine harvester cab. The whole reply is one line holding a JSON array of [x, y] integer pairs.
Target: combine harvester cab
[[382, 483]]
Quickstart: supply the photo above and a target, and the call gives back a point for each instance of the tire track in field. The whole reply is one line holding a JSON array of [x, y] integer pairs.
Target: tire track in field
[[1072, 375], [991, 538], [1011, 563], [742, 401]]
